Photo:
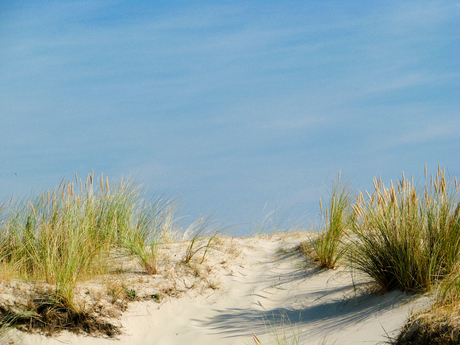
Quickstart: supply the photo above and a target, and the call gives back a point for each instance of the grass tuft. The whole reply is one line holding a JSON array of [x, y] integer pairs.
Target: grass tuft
[[197, 231], [68, 235], [50, 313], [440, 324], [283, 334], [407, 238], [327, 247]]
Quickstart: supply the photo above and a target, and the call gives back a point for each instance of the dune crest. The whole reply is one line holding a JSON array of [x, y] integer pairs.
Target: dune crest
[[264, 292]]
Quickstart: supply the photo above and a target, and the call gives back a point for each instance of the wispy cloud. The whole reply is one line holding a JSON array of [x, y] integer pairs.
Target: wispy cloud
[[429, 134], [217, 99]]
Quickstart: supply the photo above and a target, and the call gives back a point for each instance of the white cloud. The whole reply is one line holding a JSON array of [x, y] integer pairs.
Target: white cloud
[[432, 133], [408, 16], [228, 97]]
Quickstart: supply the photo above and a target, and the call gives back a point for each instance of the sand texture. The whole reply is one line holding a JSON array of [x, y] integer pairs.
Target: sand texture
[[259, 286]]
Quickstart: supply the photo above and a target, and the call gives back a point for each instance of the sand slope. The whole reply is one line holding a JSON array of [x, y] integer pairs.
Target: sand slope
[[265, 290]]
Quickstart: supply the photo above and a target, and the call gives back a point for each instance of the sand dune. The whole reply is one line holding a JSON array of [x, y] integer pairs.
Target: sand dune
[[265, 290]]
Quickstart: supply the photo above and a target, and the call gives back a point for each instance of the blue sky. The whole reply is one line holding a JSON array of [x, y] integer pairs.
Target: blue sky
[[236, 106]]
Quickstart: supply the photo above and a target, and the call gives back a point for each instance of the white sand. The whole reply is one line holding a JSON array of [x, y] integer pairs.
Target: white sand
[[264, 292]]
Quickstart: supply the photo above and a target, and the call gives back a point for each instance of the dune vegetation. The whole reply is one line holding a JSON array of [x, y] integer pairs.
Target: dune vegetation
[[75, 233], [404, 237]]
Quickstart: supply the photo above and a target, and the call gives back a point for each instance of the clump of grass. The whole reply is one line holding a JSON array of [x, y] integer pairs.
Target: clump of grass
[[440, 324], [152, 224], [197, 231], [68, 234], [429, 329], [50, 313], [282, 334], [407, 238], [55, 237], [327, 247]]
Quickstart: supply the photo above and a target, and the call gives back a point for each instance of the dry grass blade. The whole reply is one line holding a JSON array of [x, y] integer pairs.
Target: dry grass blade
[[198, 230], [256, 339]]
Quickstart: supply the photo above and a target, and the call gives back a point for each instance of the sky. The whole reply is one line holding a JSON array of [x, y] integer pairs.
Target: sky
[[237, 107]]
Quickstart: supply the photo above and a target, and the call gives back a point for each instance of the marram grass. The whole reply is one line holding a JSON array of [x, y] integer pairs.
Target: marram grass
[[440, 324], [327, 247], [403, 236], [406, 237], [73, 233], [66, 235]]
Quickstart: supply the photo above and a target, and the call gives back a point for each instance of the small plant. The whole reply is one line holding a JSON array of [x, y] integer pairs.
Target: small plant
[[157, 297], [115, 291], [277, 336], [131, 293], [327, 247], [197, 230]]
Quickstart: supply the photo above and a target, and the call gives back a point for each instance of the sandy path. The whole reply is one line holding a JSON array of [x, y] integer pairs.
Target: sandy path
[[264, 291]]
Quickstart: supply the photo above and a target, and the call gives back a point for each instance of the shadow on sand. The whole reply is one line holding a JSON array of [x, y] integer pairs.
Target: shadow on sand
[[319, 308]]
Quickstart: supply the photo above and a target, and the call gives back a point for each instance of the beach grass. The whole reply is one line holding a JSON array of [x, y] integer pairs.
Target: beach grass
[[404, 236], [67, 235], [279, 333], [197, 232], [327, 247], [407, 237]]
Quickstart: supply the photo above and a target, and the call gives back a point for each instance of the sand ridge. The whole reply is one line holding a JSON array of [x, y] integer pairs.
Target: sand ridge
[[264, 289]]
